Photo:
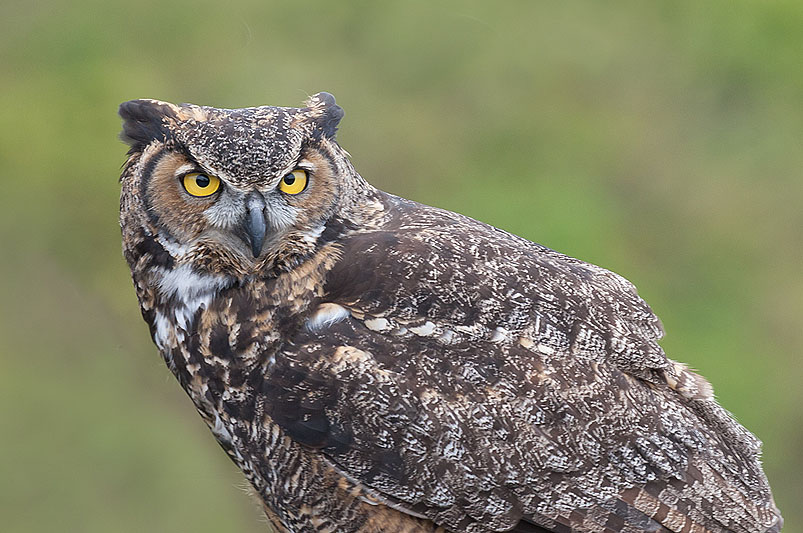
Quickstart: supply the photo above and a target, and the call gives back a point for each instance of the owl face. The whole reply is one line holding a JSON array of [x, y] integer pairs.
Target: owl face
[[234, 191]]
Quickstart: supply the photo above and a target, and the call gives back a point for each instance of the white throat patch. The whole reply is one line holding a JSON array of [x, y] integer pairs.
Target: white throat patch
[[190, 291], [184, 284]]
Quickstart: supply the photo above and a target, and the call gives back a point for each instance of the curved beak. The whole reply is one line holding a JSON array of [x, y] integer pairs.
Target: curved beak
[[254, 225]]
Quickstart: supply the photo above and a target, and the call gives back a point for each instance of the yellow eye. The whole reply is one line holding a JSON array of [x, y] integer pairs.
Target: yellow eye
[[294, 183], [198, 184]]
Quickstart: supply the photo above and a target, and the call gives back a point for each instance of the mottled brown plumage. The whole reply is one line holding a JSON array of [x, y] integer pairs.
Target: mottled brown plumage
[[373, 364]]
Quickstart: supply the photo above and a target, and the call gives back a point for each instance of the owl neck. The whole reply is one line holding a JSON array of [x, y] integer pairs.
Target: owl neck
[[217, 332], [179, 301]]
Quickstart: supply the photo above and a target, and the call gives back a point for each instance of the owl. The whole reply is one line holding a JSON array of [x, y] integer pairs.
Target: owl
[[372, 364]]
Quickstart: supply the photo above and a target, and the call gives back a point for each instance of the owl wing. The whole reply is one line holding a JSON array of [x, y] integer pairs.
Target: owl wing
[[485, 382]]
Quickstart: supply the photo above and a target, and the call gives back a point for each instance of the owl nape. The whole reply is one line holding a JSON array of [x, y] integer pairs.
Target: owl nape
[[372, 364]]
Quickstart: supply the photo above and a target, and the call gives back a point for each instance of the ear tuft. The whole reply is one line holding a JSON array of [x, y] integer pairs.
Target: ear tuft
[[325, 112], [143, 122]]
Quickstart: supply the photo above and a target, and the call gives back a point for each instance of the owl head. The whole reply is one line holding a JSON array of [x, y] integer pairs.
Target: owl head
[[236, 191]]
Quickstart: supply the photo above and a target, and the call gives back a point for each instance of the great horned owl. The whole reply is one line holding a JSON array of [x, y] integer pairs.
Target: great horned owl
[[376, 365]]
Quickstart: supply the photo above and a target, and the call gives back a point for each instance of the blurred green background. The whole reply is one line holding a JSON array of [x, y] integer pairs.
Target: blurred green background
[[659, 139]]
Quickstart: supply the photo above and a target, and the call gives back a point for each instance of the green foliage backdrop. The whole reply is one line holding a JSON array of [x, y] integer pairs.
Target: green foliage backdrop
[[659, 139]]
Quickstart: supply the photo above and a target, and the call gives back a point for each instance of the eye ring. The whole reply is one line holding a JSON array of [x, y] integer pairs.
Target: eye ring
[[200, 185], [295, 182]]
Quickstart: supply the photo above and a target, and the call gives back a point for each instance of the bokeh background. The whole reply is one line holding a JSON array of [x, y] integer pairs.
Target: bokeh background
[[659, 139]]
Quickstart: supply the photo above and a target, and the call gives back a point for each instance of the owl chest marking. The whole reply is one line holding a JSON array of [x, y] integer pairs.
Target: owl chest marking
[[189, 291]]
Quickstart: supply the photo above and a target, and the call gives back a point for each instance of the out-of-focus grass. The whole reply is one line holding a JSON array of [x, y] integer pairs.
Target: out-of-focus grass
[[661, 140]]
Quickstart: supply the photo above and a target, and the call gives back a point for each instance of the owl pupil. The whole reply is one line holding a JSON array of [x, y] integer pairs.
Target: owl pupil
[[289, 179], [202, 181]]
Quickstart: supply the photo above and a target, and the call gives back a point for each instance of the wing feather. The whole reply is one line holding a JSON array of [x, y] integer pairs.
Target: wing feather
[[487, 382]]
